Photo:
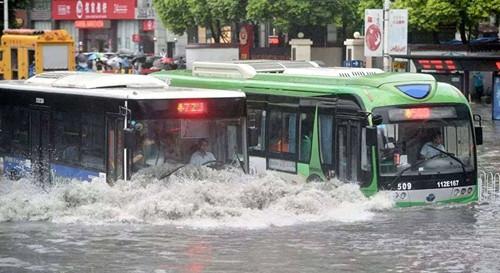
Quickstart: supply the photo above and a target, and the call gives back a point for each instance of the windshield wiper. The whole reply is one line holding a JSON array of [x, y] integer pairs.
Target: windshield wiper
[[452, 156], [171, 172], [398, 176]]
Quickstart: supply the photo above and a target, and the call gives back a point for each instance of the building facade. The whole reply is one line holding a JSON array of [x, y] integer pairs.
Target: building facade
[[104, 25]]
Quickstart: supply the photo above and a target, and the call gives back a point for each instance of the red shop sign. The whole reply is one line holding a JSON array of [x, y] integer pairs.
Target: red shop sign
[[148, 25], [91, 24], [93, 9]]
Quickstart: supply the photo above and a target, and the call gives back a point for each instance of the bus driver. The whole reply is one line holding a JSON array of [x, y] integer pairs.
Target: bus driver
[[437, 142], [202, 155]]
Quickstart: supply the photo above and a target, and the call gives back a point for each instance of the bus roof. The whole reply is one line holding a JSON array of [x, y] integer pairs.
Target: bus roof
[[375, 90], [118, 86]]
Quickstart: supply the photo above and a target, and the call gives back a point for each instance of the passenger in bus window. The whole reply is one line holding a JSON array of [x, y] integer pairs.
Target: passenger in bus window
[[202, 155], [171, 153], [437, 142]]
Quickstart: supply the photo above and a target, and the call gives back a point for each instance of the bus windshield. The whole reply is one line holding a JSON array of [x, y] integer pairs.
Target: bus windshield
[[416, 141], [197, 142]]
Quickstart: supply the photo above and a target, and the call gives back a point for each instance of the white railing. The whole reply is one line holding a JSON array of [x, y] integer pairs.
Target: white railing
[[489, 186]]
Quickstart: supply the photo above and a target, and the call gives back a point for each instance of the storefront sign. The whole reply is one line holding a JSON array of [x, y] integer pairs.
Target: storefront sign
[[374, 22], [93, 9], [273, 40], [148, 25], [397, 40], [92, 24]]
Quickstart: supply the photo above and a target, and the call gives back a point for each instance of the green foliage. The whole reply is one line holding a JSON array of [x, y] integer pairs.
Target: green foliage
[[431, 15], [13, 4], [428, 15], [180, 15], [285, 13]]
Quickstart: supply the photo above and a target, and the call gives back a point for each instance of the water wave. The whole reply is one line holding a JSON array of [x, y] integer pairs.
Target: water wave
[[195, 197]]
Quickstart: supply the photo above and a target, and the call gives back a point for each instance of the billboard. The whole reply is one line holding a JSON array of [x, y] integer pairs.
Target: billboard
[[397, 38], [374, 38], [93, 9]]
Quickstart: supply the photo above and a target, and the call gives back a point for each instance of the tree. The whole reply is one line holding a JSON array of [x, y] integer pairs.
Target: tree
[[285, 13], [431, 15], [180, 15], [13, 5]]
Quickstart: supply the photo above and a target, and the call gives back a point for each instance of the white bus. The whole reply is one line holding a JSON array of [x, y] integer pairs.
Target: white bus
[[84, 125]]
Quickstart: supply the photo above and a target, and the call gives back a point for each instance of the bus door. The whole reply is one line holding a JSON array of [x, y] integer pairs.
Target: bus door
[[40, 143], [327, 137], [282, 138], [348, 148], [114, 147]]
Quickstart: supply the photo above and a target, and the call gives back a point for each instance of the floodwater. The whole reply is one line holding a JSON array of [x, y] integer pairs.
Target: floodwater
[[210, 221]]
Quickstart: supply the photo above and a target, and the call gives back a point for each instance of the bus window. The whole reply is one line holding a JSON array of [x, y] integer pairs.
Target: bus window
[[67, 137], [342, 145], [354, 153], [306, 130], [4, 132], [256, 132], [282, 132], [365, 158], [13, 63], [31, 63], [179, 141], [326, 138], [20, 128], [93, 141]]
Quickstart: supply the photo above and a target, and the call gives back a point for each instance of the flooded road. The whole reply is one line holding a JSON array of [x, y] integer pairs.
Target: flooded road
[[228, 222]]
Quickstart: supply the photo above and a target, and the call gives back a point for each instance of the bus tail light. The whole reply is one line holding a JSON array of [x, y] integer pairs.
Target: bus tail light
[[192, 107]]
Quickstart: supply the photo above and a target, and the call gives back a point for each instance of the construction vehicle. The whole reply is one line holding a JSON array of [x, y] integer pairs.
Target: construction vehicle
[[26, 52]]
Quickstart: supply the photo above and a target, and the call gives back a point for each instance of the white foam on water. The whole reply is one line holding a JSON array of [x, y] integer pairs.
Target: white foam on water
[[195, 197]]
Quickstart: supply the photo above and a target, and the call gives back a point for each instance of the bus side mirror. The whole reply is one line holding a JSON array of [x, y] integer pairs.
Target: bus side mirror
[[479, 129], [377, 119], [479, 135], [130, 139], [371, 136]]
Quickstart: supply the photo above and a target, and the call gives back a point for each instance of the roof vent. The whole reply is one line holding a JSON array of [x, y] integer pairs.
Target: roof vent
[[89, 80], [342, 72], [246, 69]]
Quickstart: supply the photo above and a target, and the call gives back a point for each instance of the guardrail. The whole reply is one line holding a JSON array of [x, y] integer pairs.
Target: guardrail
[[489, 186]]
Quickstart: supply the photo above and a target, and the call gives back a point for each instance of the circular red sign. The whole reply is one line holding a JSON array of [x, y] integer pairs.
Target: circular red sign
[[373, 37]]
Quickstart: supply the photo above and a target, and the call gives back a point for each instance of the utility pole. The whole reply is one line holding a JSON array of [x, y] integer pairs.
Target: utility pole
[[5, 14], [387, 58]]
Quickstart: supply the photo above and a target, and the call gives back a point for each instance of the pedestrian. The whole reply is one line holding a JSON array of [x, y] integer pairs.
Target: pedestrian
[[478, 85]]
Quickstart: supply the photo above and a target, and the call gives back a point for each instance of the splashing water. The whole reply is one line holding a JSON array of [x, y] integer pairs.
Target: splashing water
[[196, 197]]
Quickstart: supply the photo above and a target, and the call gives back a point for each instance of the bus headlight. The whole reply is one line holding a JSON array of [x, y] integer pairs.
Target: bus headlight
[[469, 190], [463, 191], [456, 192]]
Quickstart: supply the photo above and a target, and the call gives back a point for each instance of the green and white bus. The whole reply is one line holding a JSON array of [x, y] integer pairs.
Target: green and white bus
[[380, 130]]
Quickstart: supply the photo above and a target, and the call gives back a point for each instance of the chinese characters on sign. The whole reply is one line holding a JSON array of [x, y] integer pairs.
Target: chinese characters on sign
[[397, 43], [93, 9]]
